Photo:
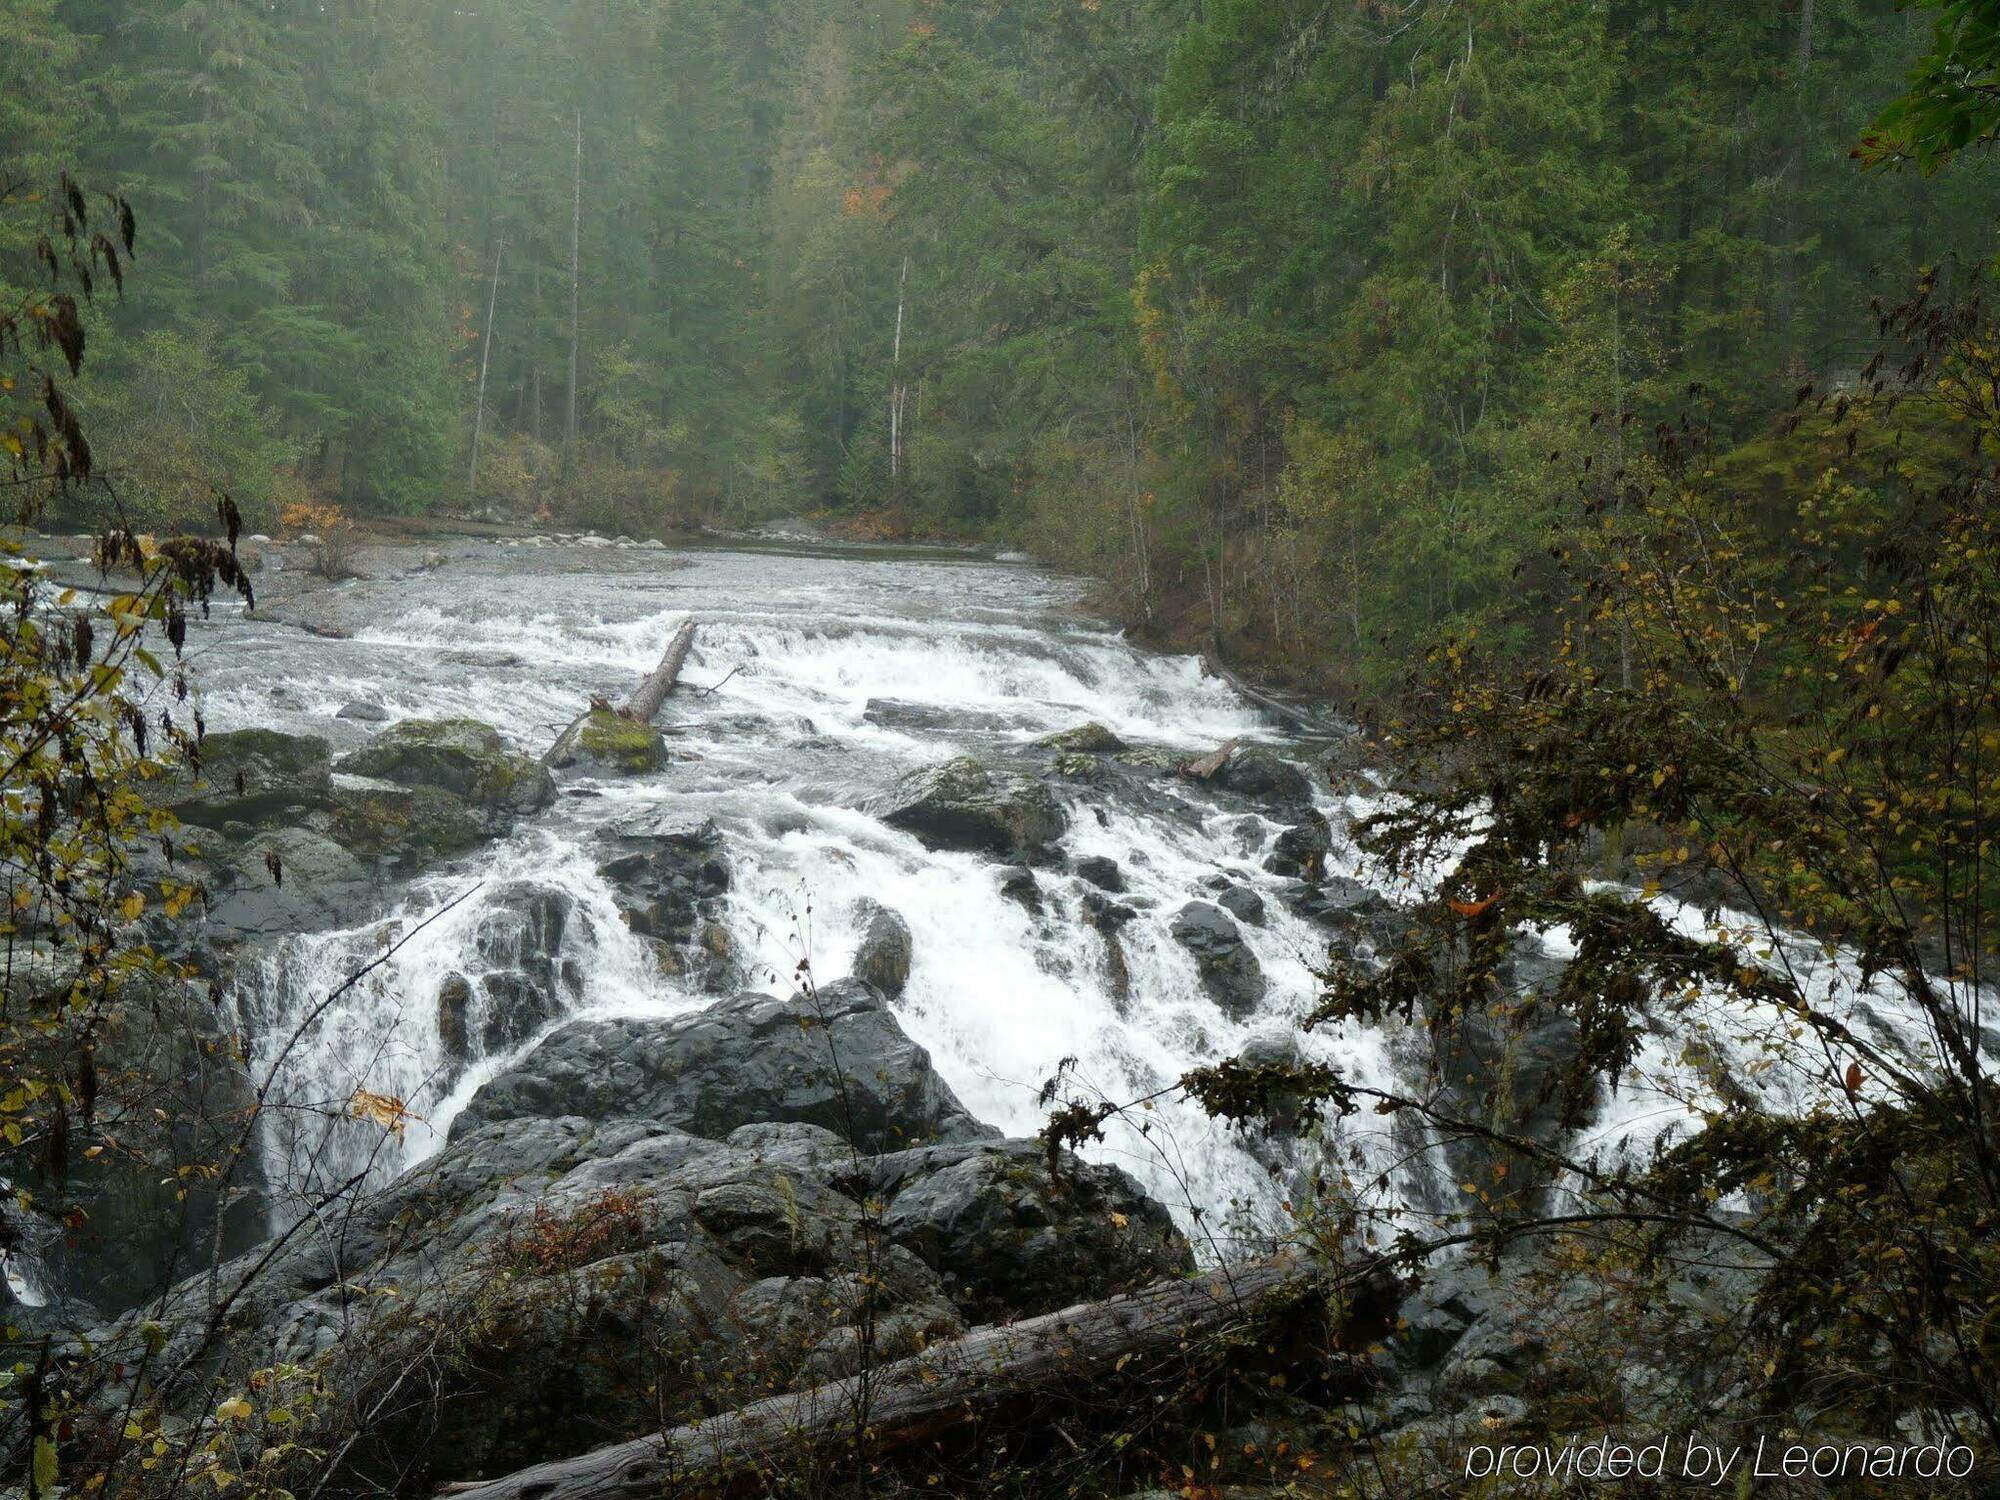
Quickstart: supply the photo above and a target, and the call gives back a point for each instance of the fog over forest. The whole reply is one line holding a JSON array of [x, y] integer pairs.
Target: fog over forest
[[1077, 747]]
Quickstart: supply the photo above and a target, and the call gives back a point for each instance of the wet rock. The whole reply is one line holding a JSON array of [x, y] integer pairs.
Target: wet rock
[[1008, 1240], [1106, 915], [669, 883], [454, 1018], [145, 1214], [255, 777], [1301, 850], [745, 1060], [460, 756], [1102, 873], [608, 744], [1229, 971], [961, 805], [1243, 904], [594, 1281], [931, 718], [409, 826], [1254, 772], [883, 958], [1018, 884], [361, 711], [317, 884], [1085, 739]]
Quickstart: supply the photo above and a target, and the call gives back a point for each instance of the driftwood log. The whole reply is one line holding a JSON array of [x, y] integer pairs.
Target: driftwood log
[[950, 1385], [646, 700], [1296, 716]]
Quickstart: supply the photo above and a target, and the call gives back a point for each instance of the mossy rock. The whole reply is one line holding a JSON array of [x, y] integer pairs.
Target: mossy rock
[[252, 777], [410, 825], [609, 744], [1085, 739], [460, 756], [960, 805]]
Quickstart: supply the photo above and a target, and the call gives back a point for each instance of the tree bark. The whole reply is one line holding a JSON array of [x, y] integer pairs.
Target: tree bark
[[950, 1385], [485, 363], [575, 302], [652, 693], [647, 699]]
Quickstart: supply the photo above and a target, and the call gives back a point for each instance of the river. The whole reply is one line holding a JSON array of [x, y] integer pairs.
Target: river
[[833, 672]]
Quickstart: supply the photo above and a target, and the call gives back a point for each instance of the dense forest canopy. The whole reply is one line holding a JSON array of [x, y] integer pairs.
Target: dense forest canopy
[[1272, 313]]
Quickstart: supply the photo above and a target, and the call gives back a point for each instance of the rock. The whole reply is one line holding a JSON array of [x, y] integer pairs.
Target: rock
[[256, 777], [1101, 872], [960, 805], [318, 885], [563, 1285], [460, 756], [363, 712], [1229, 971], [883, 959], [454, 1018], [609, 744], [145, 1214], [1018, 884], [1254, 772], [1301, 850], [742, 1061], [669, 884], [1243, 904], [1106, 915], [931, 718], [1085, 739], [409, 826], [1007, 1240]]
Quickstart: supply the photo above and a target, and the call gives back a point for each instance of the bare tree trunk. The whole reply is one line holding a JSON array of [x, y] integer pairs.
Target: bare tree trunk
[[485, 363], [575, 302], [646, 700], [897, 391], [950, 1385]]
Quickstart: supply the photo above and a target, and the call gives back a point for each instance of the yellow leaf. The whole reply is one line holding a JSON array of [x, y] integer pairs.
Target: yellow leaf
[[235, 1409], [384, 1109]]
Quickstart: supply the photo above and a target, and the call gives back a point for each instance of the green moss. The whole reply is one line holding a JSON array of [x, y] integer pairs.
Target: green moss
[[621, 744]]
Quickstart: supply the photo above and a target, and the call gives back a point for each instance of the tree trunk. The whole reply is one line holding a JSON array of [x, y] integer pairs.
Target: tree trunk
[[646, 700], [652, 693], [575, 302], [950, 1385], [485, 363]]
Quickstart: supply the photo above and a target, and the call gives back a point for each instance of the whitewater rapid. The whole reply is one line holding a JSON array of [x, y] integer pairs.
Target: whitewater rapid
[[831, 676]]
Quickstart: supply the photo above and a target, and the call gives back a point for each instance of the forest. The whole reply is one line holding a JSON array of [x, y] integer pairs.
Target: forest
[[1241, 749], [1269, 314]]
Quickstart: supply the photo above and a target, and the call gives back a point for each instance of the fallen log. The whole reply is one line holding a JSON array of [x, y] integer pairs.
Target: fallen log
[[645, 703], [949, 1385], [1207, 767], [647, 699], [1297, 716]]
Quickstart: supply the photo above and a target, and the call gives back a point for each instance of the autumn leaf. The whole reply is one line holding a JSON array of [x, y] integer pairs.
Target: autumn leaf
[[385, 1110], [1476, 908], [1853, 1079]]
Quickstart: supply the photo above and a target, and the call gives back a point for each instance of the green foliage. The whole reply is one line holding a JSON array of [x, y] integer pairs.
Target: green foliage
[[1954, 95]]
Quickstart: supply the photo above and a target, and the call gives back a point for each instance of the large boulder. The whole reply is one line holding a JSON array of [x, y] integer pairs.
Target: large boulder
[[962, 805], [1007, 1239], [285, 881], [1229, 971], [562, 1284], [250, 777], [176, 1095], [882, 960], [408, 827], [669, 881], [609, 744], [1085, 739], [460, 756], [840, 1062], [1256, 773]]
